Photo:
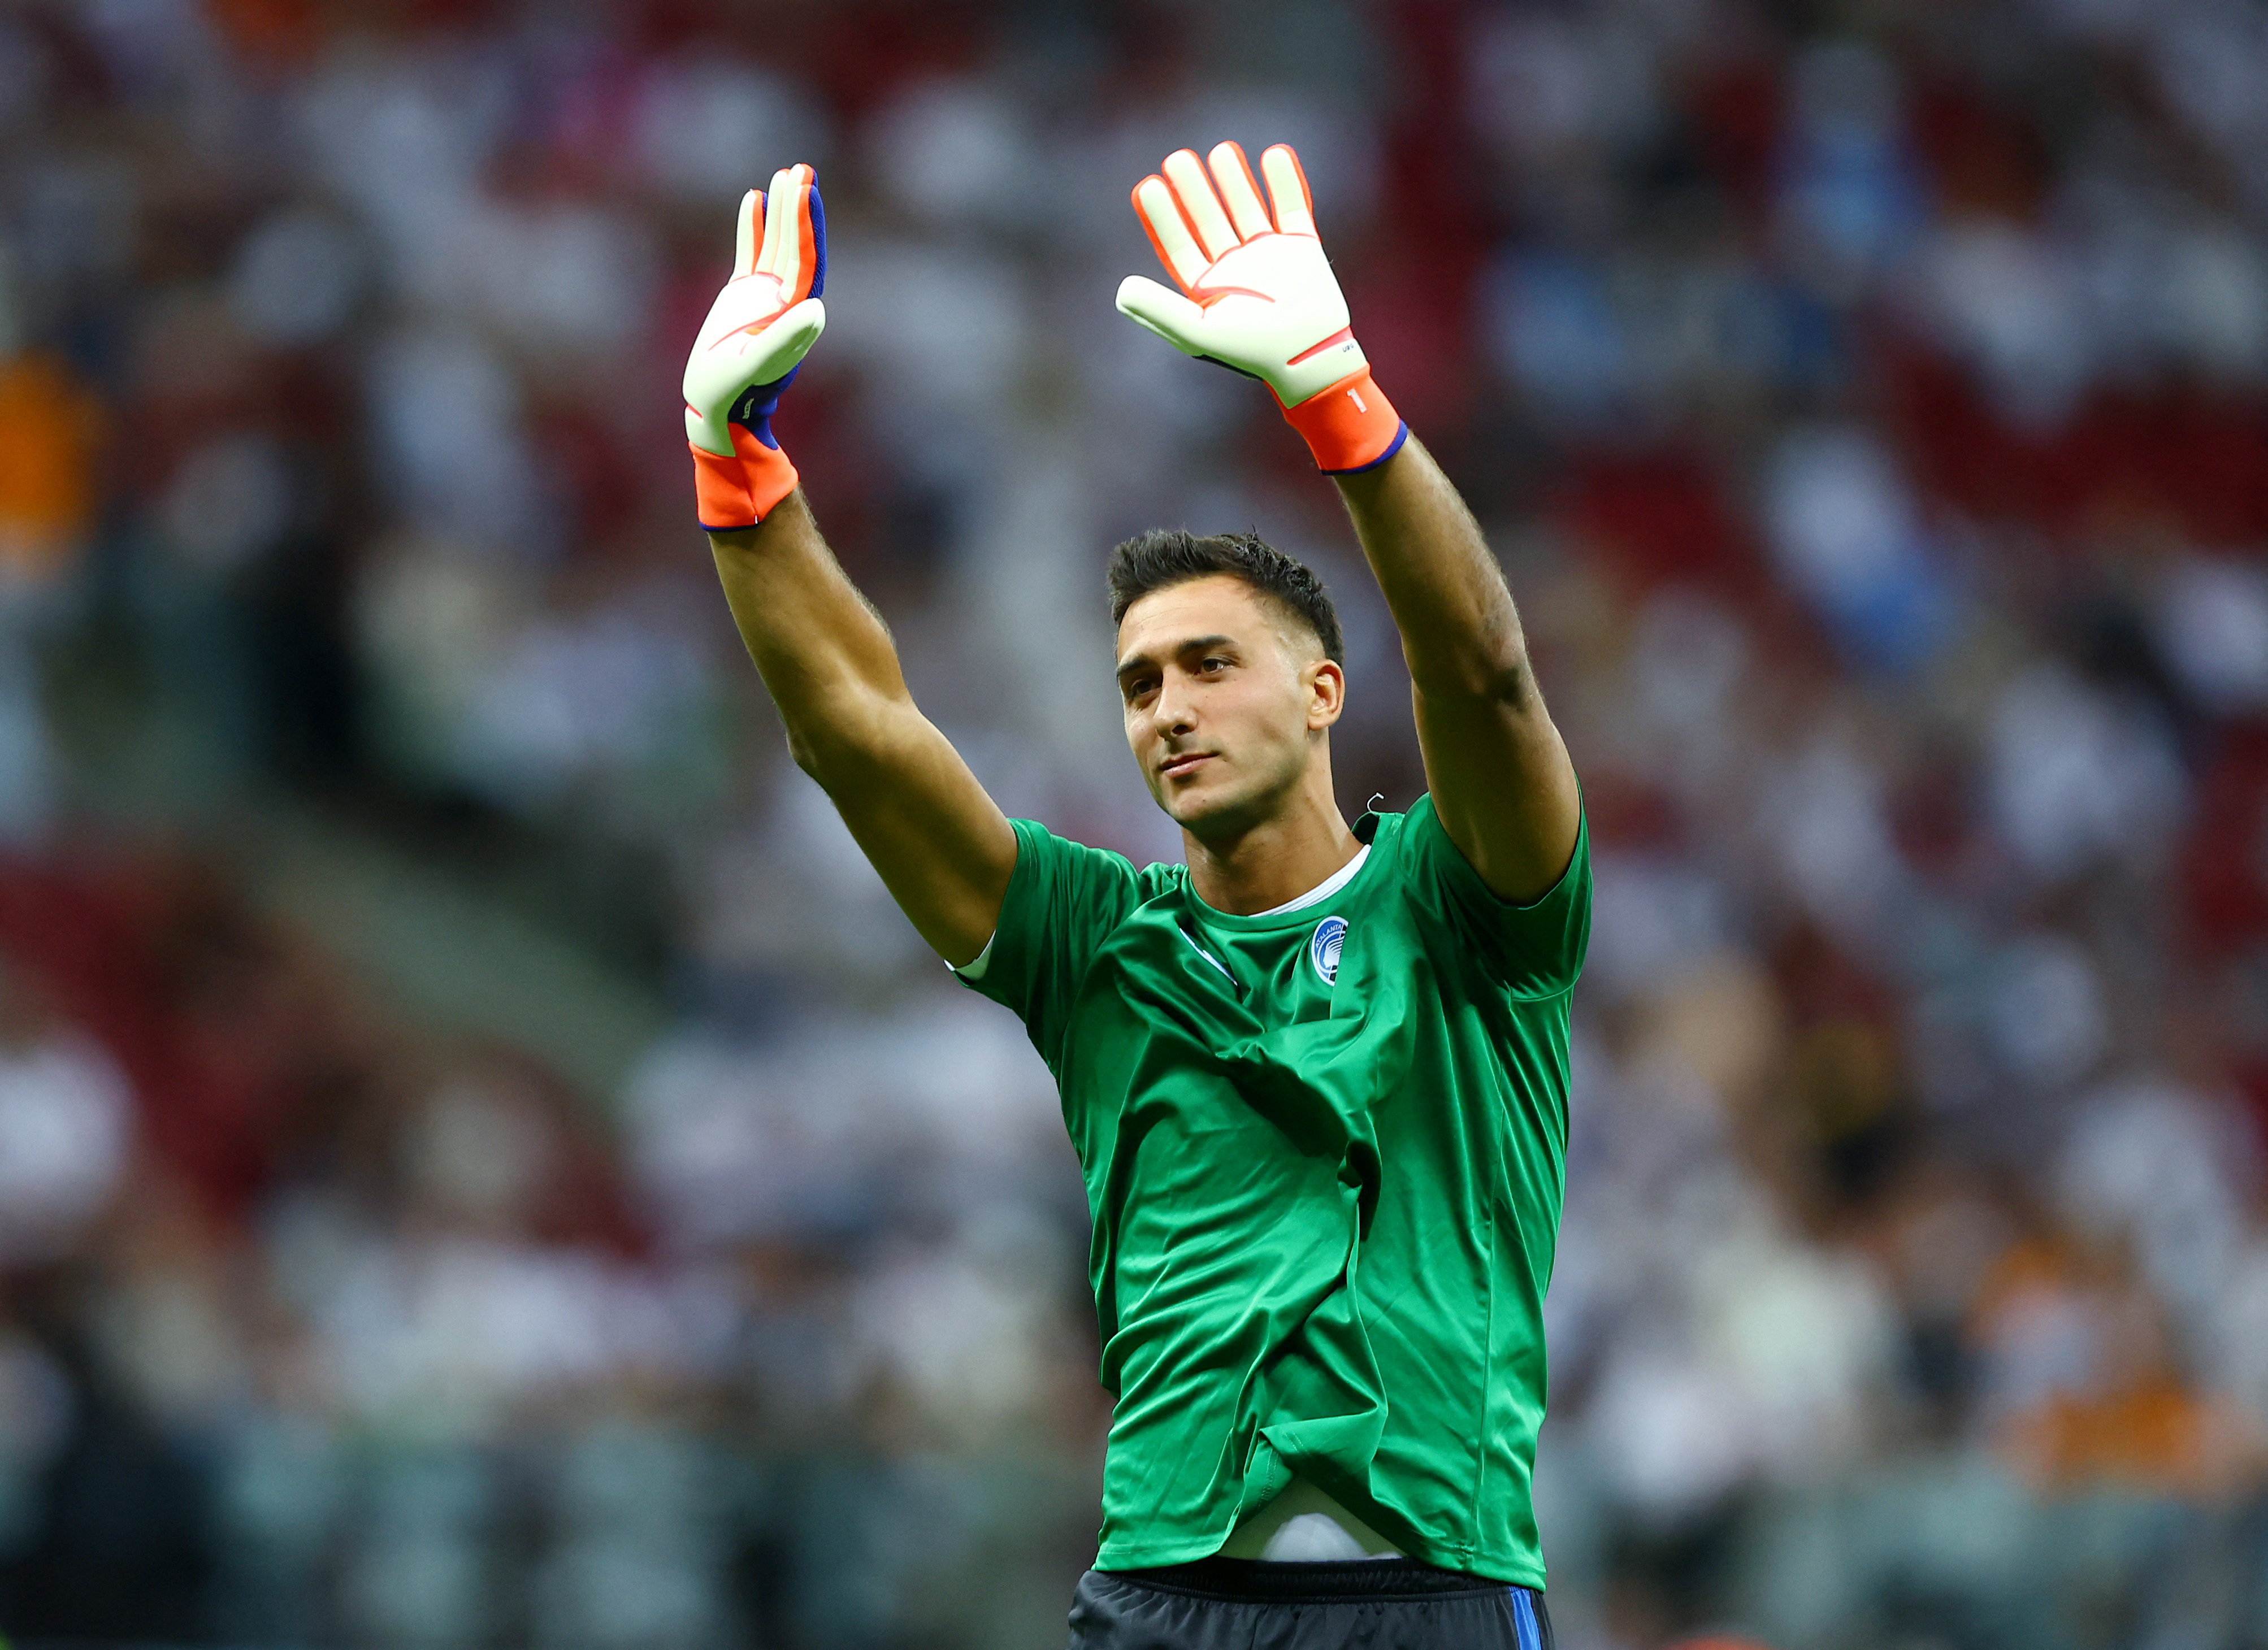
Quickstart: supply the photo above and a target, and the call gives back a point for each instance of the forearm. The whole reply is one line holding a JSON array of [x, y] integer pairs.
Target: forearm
[[825, 657], [1497, 769], [942, 848], [1459, 631]]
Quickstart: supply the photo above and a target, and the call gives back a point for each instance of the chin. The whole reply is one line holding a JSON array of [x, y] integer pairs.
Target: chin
[[1184, 810], [1196, 809]]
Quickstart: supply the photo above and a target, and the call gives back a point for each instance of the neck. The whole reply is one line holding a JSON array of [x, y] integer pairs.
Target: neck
[[1277, 859]]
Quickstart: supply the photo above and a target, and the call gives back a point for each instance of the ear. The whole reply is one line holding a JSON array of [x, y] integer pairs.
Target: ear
[[1326, 684]]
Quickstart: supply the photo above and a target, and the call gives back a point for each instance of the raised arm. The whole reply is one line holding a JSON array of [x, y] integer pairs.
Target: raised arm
[[942, 846], [1256, 294], [1499, 772]]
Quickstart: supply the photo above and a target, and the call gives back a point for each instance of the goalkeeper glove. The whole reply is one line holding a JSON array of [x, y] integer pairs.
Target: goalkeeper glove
[[1258, 295], [757, 331]]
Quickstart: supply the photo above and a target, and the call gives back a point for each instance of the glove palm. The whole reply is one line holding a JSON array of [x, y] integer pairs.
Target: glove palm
[[1258, 296]]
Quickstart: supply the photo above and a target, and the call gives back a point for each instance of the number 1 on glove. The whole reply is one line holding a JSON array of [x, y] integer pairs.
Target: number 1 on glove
[[1258, 295]]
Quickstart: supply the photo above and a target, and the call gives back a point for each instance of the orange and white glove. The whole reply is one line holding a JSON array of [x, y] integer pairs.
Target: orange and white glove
[[1257, 295], [757, 333]]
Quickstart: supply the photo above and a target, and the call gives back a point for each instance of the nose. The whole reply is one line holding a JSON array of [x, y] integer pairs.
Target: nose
[[1170, 713]]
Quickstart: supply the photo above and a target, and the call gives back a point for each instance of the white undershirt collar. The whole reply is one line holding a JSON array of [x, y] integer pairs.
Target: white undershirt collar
[[1324, 889]]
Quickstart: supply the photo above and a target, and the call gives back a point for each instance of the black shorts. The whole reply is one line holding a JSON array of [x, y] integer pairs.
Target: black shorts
[[1374, 1604]]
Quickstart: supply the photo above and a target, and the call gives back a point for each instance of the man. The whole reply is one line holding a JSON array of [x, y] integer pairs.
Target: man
[[1317, 1077]]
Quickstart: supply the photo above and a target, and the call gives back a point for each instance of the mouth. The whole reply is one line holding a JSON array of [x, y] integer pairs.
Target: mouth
[[1181, 767]]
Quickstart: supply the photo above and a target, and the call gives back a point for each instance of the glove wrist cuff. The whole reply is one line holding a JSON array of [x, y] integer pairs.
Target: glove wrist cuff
[[739, 491], [1349, 426]]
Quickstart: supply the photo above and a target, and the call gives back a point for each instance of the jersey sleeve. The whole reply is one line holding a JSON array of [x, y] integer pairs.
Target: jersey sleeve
[[1536, 949], [1064, 899]]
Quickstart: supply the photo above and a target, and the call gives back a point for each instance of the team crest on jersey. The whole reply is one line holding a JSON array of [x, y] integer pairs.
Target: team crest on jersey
[[1324, 949]]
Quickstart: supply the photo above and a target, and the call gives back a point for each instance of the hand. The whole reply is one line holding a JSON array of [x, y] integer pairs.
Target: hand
[[1258, 296], [758, 330]]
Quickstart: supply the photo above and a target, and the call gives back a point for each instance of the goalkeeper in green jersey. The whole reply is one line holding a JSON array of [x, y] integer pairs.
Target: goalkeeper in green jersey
[[1317, 1075]]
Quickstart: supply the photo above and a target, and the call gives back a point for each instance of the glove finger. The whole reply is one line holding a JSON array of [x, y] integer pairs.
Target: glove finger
[[1169, 231], [1167, 312], [1287, 190], [1237, 191], [746, 232], [792, 239], [1192, 187], [779, 211]]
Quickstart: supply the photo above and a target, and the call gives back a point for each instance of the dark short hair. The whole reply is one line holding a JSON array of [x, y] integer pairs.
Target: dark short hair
[[1165, 557]]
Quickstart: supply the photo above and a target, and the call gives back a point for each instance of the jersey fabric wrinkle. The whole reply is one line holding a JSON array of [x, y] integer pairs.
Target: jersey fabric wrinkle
[[1324, 1208]]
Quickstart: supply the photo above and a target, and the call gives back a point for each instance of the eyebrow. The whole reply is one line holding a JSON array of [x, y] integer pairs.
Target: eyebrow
[[1135, 662]]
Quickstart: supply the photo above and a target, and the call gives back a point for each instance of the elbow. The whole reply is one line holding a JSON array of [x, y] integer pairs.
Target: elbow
[[841, 734], [1513, 686], [822, 753]]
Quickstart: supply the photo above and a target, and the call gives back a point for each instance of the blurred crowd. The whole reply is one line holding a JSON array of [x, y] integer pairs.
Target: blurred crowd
[[609, 1227]]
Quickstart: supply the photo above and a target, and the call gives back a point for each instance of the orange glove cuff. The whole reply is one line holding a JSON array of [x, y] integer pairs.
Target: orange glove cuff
[[742, 490], [1349, 426]]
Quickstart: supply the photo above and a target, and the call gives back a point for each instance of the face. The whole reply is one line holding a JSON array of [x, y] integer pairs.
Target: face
[[1228, 702]]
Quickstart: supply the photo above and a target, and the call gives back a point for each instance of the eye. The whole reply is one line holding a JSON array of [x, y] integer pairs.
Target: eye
[[1215, 663]]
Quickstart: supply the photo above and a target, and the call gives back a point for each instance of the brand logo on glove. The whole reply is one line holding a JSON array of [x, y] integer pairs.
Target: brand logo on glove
[[1344, 334], [1207, 296], [752, 327]]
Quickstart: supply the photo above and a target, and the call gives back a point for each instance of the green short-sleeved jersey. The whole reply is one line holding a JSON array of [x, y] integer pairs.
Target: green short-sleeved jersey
[[1325, 1152]]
